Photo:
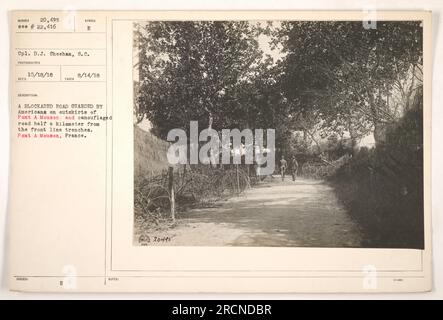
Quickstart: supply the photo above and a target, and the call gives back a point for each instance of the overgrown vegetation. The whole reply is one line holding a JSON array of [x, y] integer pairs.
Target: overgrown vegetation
[[322, 169], [383, 187], [194, 185]]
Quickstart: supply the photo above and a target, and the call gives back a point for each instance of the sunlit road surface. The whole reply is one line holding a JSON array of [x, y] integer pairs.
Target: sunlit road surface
[[301, 213]]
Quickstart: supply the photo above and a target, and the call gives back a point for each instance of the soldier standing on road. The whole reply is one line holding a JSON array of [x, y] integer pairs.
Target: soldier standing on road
[[294, 168], [283, 166]]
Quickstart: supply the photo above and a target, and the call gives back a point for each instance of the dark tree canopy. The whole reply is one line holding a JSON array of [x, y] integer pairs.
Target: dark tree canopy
[[202, 71], [334, 77], [345, 73]]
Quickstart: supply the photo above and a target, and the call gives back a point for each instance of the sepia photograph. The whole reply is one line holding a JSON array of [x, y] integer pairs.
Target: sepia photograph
[[254, 151], [278, 134]]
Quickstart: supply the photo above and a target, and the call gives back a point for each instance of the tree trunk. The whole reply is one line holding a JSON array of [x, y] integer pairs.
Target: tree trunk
[[354, 143], [379, 133], [211, 155]]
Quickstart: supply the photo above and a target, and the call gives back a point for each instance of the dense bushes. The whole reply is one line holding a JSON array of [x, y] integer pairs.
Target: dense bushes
[[322, 169], [383, 187]]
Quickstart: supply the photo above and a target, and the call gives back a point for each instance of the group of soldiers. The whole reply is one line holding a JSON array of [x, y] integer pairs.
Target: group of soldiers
[[293, 167]]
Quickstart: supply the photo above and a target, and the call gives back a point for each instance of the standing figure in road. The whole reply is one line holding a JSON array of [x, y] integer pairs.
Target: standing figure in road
[[283, 167], [294, 168]]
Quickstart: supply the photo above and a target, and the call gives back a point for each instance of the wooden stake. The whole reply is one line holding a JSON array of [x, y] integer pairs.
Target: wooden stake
[[171, 192]]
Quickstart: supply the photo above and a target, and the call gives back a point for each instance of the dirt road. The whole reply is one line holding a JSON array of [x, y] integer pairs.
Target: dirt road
[[274, 213]]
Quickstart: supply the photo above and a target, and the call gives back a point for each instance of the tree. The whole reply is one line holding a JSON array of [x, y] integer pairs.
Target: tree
[[346, 74], [196, 71]]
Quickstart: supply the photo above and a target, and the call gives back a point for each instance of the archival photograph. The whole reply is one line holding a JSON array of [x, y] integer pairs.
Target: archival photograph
[[278, 134]]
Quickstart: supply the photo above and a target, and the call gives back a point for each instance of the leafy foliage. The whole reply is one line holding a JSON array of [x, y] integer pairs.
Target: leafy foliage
[[344, 74], [200, 71], [383, 187]]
